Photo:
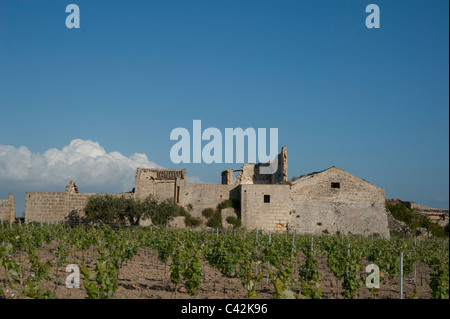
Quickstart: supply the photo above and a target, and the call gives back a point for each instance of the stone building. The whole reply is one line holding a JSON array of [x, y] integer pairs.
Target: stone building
[[7, 208], [335, 200], [329, 201]]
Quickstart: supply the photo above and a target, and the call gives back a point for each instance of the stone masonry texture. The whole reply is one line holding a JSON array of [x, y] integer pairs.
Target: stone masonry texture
[[7, 208]]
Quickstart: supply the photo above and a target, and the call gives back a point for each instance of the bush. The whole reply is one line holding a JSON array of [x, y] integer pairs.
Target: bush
[[229, 203], [164, 212], [119, 209], [107, 208], [216, 220], [225, 204], [402, 213], [436, 229], [236, 222], [397, 235], [208, 212], [190, 221], [182, 212]]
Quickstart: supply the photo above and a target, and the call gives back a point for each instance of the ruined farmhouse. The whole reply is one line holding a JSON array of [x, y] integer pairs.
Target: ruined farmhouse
[[328, 201]]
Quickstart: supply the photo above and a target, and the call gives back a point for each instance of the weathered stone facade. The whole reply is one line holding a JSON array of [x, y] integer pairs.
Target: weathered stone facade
[[328, 201], [7, 208], [266, 207], [162, 183], [334, 200]]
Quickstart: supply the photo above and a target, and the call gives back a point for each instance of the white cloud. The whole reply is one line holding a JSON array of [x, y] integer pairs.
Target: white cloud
[[84, 161], [194, 180]]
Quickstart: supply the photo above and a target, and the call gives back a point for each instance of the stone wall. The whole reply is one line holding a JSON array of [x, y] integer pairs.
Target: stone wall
[[334, 200], [46, 206], [227, 177], [51, 206], [250, 173], [265, 207], [439, 216], [162, 183], [202, 196], [7, 208]]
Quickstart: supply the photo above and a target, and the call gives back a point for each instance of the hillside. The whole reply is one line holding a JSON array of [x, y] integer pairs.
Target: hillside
[[409, 218]]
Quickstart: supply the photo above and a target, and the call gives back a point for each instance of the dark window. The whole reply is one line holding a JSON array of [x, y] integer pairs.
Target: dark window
[[266, 198], [335, 185]]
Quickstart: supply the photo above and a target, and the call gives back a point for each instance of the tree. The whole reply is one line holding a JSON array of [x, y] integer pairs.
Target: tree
[[164, 212], [102, 208], [115, 209]]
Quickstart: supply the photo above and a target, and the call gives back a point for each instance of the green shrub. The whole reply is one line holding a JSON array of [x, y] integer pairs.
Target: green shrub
[[396, 234], [216, 220], [119, 209], [164, 212], [99, 208], [436, 229], [402, 213], [190, 221], [225, 204], [236, 222], [208, 212], [189, 207], [182, 212], [114, 209]]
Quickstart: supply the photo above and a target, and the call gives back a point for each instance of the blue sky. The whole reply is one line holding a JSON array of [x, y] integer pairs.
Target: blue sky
[[373, 102]]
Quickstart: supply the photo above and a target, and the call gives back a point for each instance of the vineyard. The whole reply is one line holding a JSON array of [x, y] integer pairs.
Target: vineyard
[[137, 262]]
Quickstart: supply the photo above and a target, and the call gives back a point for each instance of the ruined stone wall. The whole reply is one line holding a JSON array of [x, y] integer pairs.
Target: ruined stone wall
[[46, 206], [281, 175], [227, 177], [270, 214], [202, 196], [7, 208], [158, 182], [51, 206], [250, 173], [355, 207]]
